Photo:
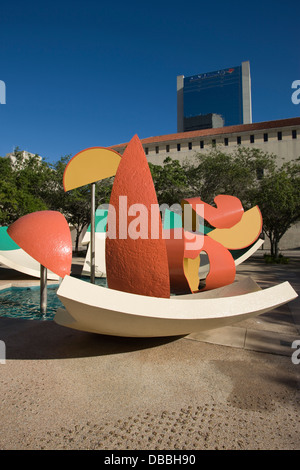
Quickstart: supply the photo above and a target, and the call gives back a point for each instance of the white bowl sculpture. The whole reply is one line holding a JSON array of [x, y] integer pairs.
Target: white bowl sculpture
[[96, 309]]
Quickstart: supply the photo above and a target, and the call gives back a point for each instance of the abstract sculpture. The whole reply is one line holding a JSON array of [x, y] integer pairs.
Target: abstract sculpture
[[100, 236], [145, 261], [235, 230], [87, 167], [12, 256], [100, 310], [46, 237], [142, 266]]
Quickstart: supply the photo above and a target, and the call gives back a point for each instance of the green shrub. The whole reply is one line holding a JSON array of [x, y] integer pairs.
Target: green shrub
[[269, 259]]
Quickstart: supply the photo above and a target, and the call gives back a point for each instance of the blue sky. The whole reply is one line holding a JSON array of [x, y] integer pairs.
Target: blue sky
[[90, 73]]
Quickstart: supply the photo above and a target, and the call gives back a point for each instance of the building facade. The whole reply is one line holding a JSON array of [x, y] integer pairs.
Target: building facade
[[280, 137], [26, 155], [225, 93]]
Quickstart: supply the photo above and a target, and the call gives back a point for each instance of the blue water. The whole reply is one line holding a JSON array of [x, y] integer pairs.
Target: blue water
[[24, 302]]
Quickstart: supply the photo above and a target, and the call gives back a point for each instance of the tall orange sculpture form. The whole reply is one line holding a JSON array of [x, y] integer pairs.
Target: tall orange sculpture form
[[139, 266]]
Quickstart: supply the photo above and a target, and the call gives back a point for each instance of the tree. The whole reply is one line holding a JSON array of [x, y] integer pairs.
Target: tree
[[217, 172], [22, 186], [30, 184], [278, 197], [7, 193], [170, 181], [253, 177]]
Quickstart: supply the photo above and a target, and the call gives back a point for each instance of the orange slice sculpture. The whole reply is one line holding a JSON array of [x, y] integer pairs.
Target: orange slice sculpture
[[242, 234], [45, 235], [235, 229], [90, 165], [228, 212], [135, 264]]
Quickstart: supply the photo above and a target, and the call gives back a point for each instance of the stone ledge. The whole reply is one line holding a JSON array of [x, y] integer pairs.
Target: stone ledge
[[252, 340]]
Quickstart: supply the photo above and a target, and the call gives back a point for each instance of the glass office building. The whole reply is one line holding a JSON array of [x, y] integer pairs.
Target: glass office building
[[214, 99]]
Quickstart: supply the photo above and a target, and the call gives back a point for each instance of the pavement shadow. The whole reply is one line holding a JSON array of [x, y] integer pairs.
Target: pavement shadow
[[34, 339], [270, 274]]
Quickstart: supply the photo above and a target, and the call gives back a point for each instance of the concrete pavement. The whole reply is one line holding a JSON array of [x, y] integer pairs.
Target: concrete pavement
[[233, 388]]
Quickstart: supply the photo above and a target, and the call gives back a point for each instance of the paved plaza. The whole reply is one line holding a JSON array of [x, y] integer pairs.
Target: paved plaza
[[232, 388]]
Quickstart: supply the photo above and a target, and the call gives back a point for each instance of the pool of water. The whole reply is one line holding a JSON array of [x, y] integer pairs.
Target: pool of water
[[24, 302]]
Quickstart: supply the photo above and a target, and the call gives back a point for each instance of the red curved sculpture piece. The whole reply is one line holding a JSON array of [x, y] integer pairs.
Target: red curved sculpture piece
[[45, 235], [174, 239], [222, 269], [135, 264], [182, 245], [228, 212], [221, 264]]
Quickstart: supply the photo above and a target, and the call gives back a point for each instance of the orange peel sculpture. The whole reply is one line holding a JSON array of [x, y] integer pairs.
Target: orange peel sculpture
[[235, 230], [243, 233], [45, 235], [228, 212], [143, 270]]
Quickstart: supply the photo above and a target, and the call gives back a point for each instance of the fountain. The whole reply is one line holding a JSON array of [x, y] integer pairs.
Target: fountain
[[147, 263]]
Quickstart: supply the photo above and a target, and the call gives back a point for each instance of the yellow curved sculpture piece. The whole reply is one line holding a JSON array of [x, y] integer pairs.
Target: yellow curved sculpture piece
[[90, 165], [191, 271], [242, 234]]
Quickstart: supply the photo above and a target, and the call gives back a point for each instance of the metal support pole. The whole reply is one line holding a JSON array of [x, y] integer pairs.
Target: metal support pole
[[43, 289], [92, 245]]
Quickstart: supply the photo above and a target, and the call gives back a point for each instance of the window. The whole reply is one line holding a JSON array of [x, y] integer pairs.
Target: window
[[156, 149], [265, 137], [226, 141], [201, 144], [251, 139], [178, 147], [239, 140], [146, 150], [213, 142], [259, 173], [294, 134], [279, 135], [190, 145], [167, 148]]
